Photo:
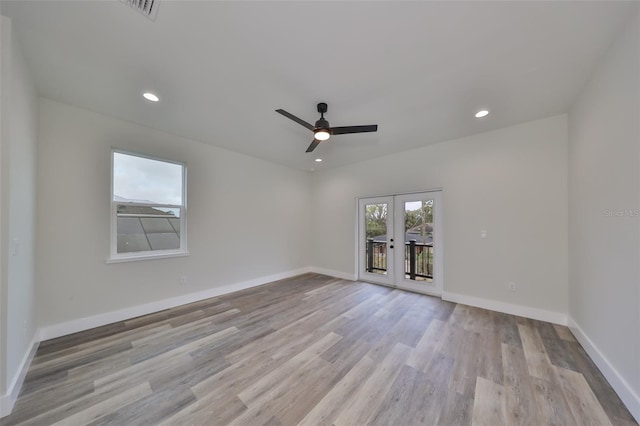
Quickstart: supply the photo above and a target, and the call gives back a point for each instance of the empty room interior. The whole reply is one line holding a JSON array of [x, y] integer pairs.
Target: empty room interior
[[320, 213]]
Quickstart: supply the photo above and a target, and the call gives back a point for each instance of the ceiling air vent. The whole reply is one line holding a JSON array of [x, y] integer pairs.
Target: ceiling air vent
[[148, 8]]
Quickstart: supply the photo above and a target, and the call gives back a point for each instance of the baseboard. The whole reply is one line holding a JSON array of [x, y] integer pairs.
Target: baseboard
[[62, 329], [507, 308], [628, 396], [334, 273], [8, 400]]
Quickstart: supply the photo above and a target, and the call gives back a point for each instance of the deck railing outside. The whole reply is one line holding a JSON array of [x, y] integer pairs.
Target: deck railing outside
[[418, 258]]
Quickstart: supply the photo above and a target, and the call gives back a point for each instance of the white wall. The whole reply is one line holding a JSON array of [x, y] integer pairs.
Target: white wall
[[604, 181], [511, 182], [247, 218], [18, 155]]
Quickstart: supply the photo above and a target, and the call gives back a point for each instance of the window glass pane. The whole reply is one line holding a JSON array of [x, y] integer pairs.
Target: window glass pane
[[164, 241], [145, 228], [129, 226], [176, 225], [145, 180], [131, 237], [156, 225], [132, 243]]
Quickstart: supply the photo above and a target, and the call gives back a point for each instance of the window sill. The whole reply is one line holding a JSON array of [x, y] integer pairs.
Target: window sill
[[146, 256]]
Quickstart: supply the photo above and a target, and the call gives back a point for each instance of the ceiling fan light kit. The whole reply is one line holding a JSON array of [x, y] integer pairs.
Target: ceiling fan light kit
[[321, 135], [322, 130]]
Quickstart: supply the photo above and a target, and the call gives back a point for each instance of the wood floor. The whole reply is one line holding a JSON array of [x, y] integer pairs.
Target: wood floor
[[313, 350]]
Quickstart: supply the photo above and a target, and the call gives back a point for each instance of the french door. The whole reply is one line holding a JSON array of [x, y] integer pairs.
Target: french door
[[400, 241]]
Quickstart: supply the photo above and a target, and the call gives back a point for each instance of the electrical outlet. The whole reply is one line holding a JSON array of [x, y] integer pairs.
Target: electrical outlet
[[183, 280], [512, 285]]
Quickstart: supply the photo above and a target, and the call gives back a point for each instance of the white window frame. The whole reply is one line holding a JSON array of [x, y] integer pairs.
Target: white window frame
[[116, 257]]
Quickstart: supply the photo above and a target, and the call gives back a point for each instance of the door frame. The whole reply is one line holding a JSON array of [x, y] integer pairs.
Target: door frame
[[393, 278]]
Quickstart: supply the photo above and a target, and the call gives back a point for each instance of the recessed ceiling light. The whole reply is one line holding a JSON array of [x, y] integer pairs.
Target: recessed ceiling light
[[318, 160], [482, 113], [151, 97]]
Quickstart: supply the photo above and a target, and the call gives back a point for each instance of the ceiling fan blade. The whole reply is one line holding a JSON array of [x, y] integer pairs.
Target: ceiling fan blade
[[313, 145], [296, 119], [354, 129]]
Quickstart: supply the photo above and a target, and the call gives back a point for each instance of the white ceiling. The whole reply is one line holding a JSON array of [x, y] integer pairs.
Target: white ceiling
[[417, 69]]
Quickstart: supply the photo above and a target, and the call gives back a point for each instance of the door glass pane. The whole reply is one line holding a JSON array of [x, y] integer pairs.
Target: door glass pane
[[376, 237], [418, 240]]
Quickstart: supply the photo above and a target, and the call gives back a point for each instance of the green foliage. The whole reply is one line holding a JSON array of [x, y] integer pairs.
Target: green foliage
[[375, 220], [420, 216]]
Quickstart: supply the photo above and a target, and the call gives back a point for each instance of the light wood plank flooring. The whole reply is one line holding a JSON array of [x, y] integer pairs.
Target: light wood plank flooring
[[314, 350]]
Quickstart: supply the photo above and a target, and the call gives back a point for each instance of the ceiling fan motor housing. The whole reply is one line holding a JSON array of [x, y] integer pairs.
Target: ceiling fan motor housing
[[322, 124]]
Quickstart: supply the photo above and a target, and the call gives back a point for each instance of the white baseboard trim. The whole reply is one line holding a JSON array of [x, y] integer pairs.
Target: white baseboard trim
[[81, 324], [507, 308], [628, 396], [334, 273], [8, 400]]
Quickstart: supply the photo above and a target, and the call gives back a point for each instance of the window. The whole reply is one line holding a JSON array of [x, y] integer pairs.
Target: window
[[148, 208]]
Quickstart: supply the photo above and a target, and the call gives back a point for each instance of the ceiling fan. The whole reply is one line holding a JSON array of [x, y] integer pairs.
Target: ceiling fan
[[322, 131]]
